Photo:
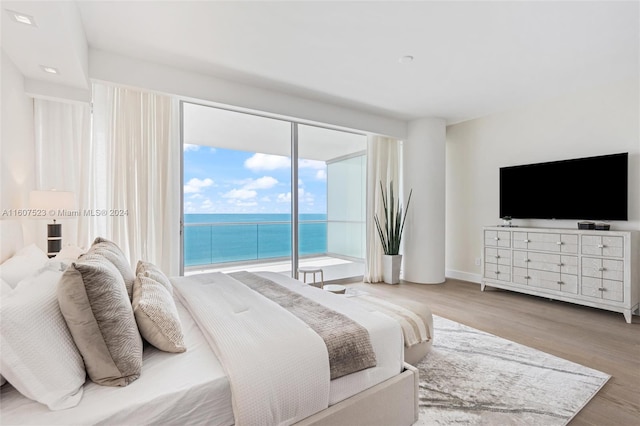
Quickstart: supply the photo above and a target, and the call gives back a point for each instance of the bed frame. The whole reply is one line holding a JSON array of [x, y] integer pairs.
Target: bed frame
[[393, 402]]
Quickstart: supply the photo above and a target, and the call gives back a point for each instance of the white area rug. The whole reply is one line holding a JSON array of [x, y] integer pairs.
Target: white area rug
[[473, 377]]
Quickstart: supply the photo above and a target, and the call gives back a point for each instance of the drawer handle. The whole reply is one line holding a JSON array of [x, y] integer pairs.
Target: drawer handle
[[527, 277], [602, 269], [497, 257], [560, 282], [559, 243], [527, 260], [496, 238], [601, 246], [560, 264], [497, 272], [526, 241], [602, 289]]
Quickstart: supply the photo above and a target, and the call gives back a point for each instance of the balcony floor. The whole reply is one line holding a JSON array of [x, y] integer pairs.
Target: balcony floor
[[333, 268]]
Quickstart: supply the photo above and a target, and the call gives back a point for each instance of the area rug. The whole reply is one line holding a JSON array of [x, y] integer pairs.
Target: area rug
[[473, 377]]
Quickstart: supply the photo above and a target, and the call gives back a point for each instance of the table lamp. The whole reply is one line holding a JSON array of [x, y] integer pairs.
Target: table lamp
[[50, 205]]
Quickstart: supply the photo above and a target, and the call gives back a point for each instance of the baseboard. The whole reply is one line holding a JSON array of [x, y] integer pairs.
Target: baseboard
[[464, 276]]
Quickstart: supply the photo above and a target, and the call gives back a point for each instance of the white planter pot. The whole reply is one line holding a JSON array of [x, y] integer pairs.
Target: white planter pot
[[391, 268]]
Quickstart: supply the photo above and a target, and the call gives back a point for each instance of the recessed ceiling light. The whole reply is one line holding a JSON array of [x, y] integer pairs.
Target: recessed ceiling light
[[22, 18], [405, 59], [50, 70]]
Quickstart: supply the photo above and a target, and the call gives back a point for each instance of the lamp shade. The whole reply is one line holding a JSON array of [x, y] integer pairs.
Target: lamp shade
[[52, 202]]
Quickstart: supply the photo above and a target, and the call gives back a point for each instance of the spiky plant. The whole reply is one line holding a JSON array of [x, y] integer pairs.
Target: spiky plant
[[391, 233]]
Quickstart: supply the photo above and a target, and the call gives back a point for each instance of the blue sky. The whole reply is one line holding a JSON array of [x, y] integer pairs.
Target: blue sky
[[220, 180]]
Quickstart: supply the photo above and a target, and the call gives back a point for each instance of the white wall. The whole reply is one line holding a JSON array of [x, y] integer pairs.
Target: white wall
[[125, 71], [17, 148], [600, 121], [423, 162]]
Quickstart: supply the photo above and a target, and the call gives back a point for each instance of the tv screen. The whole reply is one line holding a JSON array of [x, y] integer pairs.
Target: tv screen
[[593, 188]]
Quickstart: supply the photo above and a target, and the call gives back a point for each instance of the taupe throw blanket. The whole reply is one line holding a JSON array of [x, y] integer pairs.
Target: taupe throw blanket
[[348, 343]]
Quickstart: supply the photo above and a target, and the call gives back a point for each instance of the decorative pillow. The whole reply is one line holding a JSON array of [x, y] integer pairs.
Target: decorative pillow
[[94, 302], [38, 354], [157, 315], [27, 261], [150, 270], [114, 254]]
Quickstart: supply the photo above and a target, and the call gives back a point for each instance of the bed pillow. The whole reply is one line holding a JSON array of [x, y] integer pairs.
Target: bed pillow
[[69, 253], [114, 254], [27, 261], [39, 357], [150, 270], [157, 315], [94, 302]]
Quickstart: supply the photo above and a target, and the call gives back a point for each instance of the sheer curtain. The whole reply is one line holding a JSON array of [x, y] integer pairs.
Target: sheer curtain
[[383, 165], [119, 161], [62, 133], [132, 172]]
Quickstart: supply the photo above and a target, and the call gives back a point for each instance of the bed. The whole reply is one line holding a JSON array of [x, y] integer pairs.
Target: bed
[[193, 387]]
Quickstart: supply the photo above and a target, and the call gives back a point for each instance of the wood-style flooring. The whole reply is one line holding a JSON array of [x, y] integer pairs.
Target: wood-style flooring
[[592, 337]]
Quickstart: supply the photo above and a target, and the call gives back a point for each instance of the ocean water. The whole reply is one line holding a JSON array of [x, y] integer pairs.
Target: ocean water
[[219, 238]]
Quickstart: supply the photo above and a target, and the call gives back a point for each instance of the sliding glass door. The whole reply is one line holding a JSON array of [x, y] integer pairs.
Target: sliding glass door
[[332, 199], [243, 198], [237, 174]]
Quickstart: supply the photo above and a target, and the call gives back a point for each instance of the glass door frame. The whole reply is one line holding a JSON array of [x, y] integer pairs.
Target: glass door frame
[[295, 255]]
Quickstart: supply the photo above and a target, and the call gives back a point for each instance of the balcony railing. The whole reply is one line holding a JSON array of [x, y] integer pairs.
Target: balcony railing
[[213, 243]]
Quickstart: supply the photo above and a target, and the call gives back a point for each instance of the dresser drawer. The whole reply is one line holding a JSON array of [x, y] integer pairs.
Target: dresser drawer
[[599, 245], [603, 268], [497, 272], [498, 256], [561, 243], [497, 238], [602, 289]]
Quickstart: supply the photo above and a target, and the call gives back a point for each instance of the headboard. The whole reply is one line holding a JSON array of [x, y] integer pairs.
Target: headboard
[[11, 238]]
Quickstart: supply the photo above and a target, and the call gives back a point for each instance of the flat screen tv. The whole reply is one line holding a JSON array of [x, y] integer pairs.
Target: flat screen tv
[[593, 188]]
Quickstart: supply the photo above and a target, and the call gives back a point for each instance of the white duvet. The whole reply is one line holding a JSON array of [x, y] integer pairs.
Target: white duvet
[[278, 367], [192, 388]]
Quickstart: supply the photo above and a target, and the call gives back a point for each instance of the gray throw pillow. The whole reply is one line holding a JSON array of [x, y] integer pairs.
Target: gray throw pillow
[[94, 302], [157, 315], [114, 254]]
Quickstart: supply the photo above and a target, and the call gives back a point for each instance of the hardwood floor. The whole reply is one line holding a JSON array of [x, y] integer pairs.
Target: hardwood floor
[[592, 337]]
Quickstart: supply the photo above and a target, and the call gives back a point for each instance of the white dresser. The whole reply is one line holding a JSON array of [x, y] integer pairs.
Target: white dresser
[[588, 267]]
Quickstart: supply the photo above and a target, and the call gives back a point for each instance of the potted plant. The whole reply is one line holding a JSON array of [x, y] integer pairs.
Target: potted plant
[[391, 234]]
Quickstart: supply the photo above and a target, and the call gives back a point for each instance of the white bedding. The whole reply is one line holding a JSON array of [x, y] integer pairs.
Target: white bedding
[[168, 391], [191, 388]]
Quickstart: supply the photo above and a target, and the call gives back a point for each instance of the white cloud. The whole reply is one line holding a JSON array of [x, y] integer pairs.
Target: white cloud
[[206, 204], [265, 199], [246, 203], [190, 147], [195, 185], [321, 175], [284, 198], [311, 164], [260, 161], [265, 182], [195, 196], [241, 194]]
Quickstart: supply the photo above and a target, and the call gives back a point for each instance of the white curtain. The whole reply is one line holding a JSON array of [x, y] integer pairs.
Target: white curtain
[[62, 133], [132, 173], [120, 164], [383, 165]]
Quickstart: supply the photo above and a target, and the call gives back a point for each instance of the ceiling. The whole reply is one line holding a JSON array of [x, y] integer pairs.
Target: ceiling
[[470, 58]]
